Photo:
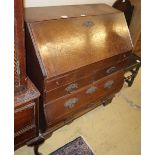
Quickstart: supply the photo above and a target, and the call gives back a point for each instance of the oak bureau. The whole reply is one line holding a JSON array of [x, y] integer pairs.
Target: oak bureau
[[77, 57]]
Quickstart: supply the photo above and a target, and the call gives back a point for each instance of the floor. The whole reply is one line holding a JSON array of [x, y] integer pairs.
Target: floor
[[111, 130]]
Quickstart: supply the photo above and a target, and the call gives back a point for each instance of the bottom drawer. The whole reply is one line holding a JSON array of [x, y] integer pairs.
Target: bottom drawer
[[65, 107], [25, 123], [24, 116], [24, 136]]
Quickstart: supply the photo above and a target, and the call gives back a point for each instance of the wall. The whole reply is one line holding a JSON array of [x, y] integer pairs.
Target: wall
[[37, 3]]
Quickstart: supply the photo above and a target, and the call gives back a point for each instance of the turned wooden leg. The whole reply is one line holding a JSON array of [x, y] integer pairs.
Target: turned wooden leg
[[129, 80]]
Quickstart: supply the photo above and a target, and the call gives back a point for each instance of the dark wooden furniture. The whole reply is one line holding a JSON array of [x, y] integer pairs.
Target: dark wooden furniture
[[126, 7], [77, 57], [132, 12], [135, 27], [25, 93]]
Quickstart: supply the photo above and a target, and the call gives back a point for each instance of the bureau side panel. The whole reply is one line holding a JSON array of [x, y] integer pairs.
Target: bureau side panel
[[35, 72]]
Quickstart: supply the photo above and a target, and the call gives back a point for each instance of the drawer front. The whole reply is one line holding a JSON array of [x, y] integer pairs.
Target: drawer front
[[64, 107], [24, 136], [74, 86], [24, 116], [83, 72]]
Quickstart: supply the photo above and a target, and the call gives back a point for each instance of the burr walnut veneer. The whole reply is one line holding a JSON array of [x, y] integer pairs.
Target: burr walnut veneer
[[77, 57]]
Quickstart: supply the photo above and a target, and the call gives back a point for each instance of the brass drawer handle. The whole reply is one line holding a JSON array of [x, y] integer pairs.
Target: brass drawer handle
[[88, 24], [71, 87], [111, 69], [108, 84], [91, 90], [71, 103]]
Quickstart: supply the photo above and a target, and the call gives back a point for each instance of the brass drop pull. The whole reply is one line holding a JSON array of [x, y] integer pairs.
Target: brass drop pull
[[88, 24], [108, 84], [71, 103], [91, 90], [71, 87], [111, 70]]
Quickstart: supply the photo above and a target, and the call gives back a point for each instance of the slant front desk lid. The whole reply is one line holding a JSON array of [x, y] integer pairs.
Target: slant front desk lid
[[68, 43]]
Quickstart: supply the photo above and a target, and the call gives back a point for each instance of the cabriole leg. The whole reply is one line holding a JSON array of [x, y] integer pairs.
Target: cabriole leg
[[36, 150], [36, 142]]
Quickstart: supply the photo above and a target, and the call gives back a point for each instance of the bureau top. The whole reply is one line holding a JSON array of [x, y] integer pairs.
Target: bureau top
[[64, 45], [54, 12]]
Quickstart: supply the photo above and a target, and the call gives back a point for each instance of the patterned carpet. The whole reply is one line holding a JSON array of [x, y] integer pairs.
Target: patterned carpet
[[76, 147]]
